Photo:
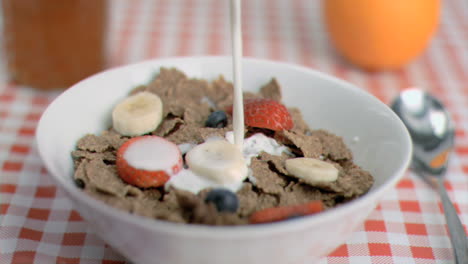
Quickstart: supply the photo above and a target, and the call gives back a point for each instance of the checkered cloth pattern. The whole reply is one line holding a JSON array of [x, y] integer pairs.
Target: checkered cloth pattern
[[38, 223]]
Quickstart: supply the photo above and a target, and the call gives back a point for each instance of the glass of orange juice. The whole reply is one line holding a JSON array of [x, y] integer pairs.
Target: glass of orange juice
[[52, 44]]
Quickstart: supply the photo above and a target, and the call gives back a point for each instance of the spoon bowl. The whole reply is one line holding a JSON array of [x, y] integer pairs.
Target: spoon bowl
[[431, 129], [433, 134]]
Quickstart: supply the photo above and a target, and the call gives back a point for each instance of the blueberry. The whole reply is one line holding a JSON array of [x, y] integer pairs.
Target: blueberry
[[224, 200], [217, 119], [79, 183]]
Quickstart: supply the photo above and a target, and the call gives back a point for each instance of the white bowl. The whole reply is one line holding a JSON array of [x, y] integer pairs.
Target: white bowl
[[383, 147]]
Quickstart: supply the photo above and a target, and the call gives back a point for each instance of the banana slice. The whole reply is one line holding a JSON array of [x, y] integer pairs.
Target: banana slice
[[138, 114], [312, 171], [217, 160]]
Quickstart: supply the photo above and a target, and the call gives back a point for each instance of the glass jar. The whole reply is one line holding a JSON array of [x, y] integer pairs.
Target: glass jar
[[52, 44]]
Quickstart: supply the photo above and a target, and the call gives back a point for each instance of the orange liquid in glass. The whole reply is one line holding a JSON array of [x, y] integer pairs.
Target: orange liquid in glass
[[53, 44]]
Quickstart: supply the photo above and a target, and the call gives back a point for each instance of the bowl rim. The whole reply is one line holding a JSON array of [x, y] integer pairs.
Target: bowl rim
[[231, 232]]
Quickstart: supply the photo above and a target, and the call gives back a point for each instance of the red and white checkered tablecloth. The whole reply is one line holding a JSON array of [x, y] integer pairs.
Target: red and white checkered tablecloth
[[39, 225]]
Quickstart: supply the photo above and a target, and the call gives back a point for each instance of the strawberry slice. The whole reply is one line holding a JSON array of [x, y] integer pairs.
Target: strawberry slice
[[266, 113], [274, 214], [148, 161]]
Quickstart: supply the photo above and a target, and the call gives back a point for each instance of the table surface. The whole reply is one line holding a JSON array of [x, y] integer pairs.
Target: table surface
[[38, 224]]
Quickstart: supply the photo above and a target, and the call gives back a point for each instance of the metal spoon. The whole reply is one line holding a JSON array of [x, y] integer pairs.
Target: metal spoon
[[433, 133]]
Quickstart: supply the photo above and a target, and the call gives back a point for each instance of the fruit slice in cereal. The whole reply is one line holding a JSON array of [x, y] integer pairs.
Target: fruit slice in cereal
[[148, 161]]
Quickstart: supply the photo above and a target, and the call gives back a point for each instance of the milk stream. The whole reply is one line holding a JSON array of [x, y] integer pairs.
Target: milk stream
[[188, 180], [236, 38]]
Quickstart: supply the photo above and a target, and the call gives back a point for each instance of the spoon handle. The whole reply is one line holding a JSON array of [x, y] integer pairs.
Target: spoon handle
[[458, 236]]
